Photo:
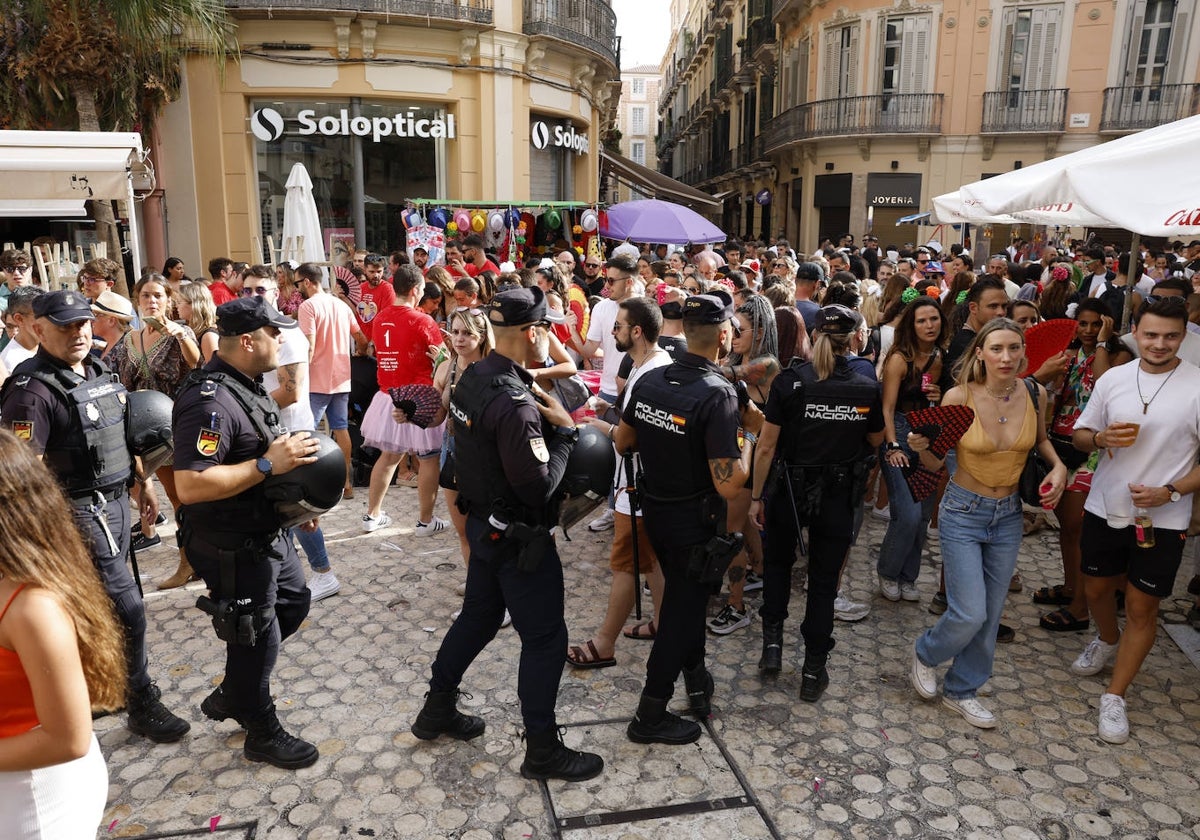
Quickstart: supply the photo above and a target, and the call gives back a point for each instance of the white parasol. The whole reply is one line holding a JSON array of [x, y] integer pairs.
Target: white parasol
[[302, 239]]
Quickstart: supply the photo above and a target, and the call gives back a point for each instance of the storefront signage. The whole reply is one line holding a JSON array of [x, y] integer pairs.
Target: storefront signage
[[560, 137], [893, 189], [268, 125]]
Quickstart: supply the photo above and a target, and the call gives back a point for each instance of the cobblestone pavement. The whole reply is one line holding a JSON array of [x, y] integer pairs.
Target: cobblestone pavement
[[870, 760]]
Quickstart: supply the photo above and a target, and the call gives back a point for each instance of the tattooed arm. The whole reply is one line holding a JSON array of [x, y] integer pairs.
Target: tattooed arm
[[759, 371], [291, 383]]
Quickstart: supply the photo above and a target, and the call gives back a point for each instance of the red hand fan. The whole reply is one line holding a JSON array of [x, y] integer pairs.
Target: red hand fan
[[922, 483], [351, 286], [942, 424], [419, 402], [1049, 338]]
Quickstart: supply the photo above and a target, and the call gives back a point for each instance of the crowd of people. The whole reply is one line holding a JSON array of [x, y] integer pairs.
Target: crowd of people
[[785, 383]]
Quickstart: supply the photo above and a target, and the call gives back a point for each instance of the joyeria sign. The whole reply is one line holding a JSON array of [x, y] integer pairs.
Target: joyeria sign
[[268, 125]]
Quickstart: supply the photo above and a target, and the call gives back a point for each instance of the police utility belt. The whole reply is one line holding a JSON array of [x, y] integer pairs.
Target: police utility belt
[[707, 563], [531, 542], [236, 621], [807, 487]]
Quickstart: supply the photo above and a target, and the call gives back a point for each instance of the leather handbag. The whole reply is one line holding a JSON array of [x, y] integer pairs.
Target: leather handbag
[[1036, 468]]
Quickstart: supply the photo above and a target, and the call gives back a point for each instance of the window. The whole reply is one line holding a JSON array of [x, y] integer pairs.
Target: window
[[1030, 44], [905, 55], [637, 152], [637, 120], [841, 63], [638, 87], [1150, 52]]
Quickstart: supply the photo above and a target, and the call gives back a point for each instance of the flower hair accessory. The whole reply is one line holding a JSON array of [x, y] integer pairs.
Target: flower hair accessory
[[961, 296], [933, 291], [1060, 273], [909, 295]]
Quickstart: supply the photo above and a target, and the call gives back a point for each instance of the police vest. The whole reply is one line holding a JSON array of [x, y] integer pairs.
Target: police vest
[[91, 453], [825, 421], [250, 507], [483, 485]]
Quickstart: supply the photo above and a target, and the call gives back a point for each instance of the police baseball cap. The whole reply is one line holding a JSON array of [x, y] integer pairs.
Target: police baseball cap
[[247, 314], [111, 303], [63, 307], [521, 307], [836, 318], [715, 307], [810, 271]]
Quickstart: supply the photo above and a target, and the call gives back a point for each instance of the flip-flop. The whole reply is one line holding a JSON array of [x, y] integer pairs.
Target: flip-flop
[[1061, 621], [644, 632], [576, 657], [1052, 595]]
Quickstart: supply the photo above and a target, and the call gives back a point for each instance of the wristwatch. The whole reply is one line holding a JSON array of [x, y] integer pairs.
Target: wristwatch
[[894, 447], [264, 466], [1175, 494], [571, 433]]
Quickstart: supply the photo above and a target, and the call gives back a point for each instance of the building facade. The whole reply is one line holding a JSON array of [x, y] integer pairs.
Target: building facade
[[637, 121], [385, 103], [816, 119]]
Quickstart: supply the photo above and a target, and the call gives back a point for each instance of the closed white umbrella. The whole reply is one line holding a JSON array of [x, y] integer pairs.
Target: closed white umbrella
[[300, 219]]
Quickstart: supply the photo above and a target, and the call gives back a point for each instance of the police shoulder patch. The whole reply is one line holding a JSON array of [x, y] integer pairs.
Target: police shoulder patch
[[208, 442], [23, 429], [538, 446]]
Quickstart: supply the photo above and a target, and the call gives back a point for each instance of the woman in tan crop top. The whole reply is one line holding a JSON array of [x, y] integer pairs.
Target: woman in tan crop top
[[980, 519]]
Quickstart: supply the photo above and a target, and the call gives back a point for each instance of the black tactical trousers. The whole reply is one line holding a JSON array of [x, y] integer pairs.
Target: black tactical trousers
[[680, 640]]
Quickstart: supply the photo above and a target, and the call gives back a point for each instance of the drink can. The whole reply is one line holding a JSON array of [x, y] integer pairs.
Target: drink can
[[926, 381]]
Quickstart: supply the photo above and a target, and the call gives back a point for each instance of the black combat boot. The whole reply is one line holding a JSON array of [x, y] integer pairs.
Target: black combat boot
[[653, 724], [439, 716], [814, 678], [772, 655], [216, 706], [267, 741], [150, 718], [547, 757], [699, 685]]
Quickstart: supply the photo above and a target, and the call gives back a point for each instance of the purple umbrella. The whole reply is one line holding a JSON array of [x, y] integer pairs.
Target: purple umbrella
[[658, 221]]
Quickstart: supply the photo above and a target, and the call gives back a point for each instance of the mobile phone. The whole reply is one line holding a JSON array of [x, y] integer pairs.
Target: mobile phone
[[743, 394], [154, 322], [661, 291]]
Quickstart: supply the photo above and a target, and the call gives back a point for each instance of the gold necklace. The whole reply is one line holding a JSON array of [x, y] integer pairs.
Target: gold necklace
[[1001, 398]]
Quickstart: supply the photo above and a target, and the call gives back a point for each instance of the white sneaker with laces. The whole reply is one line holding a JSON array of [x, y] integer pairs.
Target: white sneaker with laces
[[846, 610], [603, 522], [923, 678], [728, 620], [1114, 726], [890, 589], [1094, 658], [433, 526], [908, 592], [374, 523], [753, 582], [970, 708], [322, 585]]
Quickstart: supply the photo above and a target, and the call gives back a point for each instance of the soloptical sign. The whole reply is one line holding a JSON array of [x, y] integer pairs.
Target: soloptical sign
[[268, 125], [559, 136]]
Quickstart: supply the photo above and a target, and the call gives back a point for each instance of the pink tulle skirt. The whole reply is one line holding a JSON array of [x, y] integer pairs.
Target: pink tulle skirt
[[382, 432]]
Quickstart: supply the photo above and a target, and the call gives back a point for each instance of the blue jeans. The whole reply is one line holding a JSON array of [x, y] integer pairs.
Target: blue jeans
[[980, 538], [900, 551], [313, 544]]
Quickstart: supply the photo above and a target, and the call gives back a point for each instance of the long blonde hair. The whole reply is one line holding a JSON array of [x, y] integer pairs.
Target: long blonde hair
[[826, 348], [970, 369], [204, 311], [55, 559]]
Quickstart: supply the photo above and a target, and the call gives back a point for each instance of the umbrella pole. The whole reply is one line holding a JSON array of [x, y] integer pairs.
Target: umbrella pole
[[1135, 252]]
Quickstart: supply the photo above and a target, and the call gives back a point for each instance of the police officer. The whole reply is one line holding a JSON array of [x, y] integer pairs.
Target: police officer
[[227, 443], [683, 419], [823, 421], [517, 440], [71, 409]]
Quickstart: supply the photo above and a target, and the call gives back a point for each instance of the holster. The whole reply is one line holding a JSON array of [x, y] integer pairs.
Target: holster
[[708, 563], [533, 542], [236, 620]]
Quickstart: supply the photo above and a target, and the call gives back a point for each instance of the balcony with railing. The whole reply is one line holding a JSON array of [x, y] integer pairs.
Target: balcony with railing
[[1136, 107], [590, 24], [1024, 111], [474, 11], [881, 114]]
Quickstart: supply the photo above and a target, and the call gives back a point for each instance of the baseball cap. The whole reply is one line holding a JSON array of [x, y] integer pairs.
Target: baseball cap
[[63, 307], [111, 303], [521, 307], [810, 271], [672, 310], [934, 267], [836, 318], [247, 314], [715, 307]]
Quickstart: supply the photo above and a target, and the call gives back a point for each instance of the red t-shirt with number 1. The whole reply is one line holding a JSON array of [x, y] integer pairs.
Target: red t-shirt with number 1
[[403, 336]]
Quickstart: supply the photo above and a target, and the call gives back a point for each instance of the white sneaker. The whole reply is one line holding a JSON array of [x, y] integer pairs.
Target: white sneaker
[[931, 533], [882, 513], [374, 523], [1094, 658], [970, 708], [507, 620], [846, 610], [1114, 726], [461, 589], [923, 678], [890, 589], [753, 582], [433, 526], [322, 585], [603, 522], [908, 592], [728, 620]]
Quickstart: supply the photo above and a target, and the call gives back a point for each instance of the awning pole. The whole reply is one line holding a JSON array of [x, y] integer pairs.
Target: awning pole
[[135, 242]]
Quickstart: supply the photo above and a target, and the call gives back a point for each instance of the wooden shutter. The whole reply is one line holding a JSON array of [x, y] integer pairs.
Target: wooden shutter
[[1043, 47], [1134, 38], [914, 55], [850, 85], [832, 69], [1180, 28]]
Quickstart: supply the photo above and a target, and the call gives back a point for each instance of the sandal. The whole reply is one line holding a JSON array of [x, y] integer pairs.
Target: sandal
[[408, 479], [1053, 595], [590, 658], [1062, 621], [643, 632]]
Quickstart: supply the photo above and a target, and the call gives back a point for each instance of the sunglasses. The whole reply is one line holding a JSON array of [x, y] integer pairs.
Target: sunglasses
[[737, 331], [257, 290], [922, 260], [593, 265], [88, 278]]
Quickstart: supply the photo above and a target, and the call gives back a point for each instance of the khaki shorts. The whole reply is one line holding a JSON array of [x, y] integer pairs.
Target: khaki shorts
[[621, 557]]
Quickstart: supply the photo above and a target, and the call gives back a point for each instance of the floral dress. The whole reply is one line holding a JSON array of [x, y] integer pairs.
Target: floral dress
[[161, 367], [1072, 398]]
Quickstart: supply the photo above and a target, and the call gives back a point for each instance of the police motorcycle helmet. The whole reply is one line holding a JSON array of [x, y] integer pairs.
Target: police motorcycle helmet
[[309, 490], [148, 430], [590, 466]]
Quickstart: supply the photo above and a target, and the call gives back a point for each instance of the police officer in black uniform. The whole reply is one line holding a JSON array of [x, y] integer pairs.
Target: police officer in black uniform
[[517, 440], [823, 422], [683, 418], [71, 409], [227, 443]]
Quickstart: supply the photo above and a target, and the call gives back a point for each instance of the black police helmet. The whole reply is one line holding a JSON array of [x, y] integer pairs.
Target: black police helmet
[[148, 429], [590, 467], [309, 490]]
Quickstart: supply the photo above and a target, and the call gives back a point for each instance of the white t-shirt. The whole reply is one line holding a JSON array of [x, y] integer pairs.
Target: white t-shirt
[[1189, 351], [604, 315], [13, 354], [298, 416], [1166, 446], [658, 358]]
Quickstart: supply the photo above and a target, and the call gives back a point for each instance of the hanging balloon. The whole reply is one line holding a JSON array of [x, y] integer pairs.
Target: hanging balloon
[[496, 222], [553, 220], [588, 221], [452, 227], [462, 219], [438, 218], [478, 221]]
